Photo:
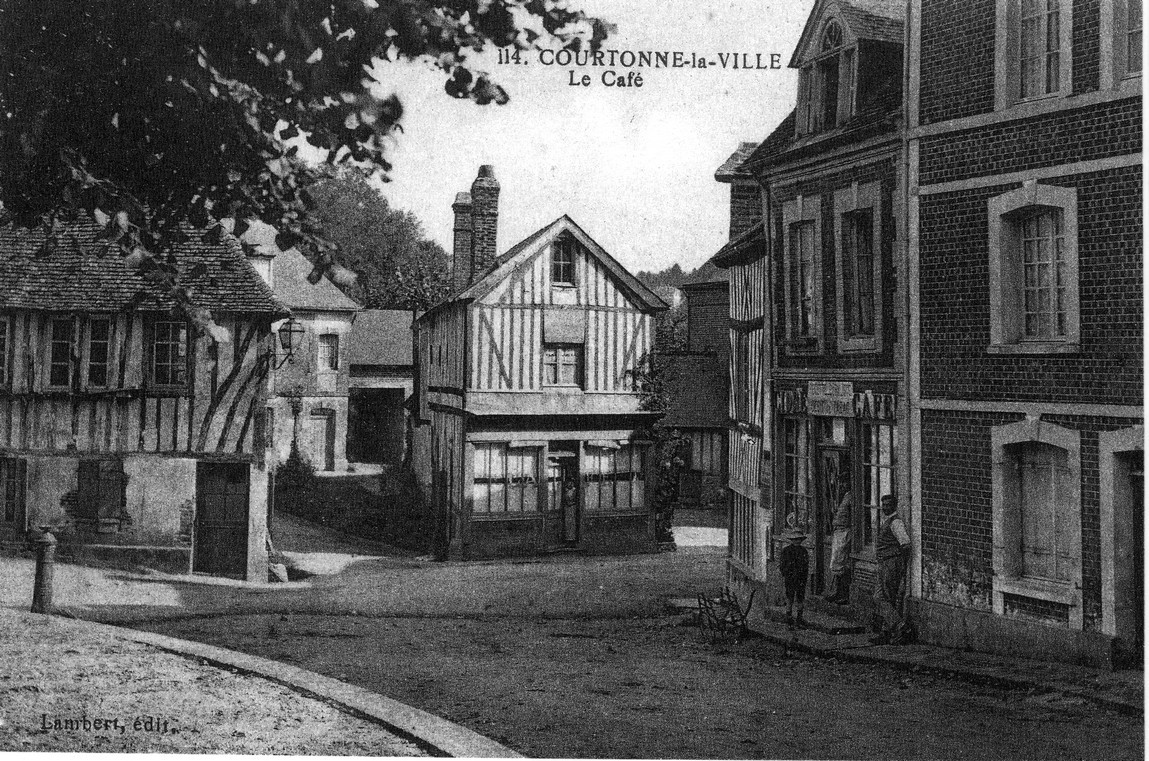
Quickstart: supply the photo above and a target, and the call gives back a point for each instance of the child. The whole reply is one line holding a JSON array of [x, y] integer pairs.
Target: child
[[795, 566]]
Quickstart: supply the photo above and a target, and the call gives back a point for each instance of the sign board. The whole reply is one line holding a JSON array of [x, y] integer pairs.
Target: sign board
[[830, 398]]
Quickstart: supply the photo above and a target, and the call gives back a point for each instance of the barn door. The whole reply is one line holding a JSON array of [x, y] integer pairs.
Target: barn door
[[221, 519]]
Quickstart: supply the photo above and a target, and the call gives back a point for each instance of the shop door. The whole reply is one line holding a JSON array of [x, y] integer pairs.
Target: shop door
[[833, 479], [221, 519], [563, 496]]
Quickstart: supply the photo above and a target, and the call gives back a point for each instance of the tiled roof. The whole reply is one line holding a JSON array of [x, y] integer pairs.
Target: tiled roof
[[730, 168], [879, 116], [696, 388], [707, 274], [291, 269], [881, 20], [84, 274], [381, 337], [745, 247]]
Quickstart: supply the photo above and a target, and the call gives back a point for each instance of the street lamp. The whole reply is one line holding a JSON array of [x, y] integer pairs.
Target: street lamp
[[290, 334]]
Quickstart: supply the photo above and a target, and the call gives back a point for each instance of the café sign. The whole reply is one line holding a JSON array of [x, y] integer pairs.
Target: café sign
[[830, 398]]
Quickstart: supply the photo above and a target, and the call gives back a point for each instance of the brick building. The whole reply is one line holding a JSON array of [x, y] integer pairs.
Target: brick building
[[1024, 141], [830, 179]]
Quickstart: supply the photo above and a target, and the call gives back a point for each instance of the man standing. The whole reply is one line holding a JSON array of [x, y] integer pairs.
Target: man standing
[[839, 587], [893, 548]]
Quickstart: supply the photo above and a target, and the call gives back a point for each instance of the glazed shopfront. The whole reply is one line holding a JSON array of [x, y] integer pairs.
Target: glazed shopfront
[[835, 441]]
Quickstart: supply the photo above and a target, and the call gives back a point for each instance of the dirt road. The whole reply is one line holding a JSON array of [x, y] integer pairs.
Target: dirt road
[[578, 657]]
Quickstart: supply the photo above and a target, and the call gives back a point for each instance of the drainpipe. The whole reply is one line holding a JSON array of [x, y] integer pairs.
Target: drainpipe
[[908, 358]]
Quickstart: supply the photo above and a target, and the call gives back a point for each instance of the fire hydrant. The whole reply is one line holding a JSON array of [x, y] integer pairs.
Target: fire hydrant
[[45, 564]]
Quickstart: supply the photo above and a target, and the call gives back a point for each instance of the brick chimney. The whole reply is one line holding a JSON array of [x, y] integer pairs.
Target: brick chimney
[[461, 256], [485, 220]]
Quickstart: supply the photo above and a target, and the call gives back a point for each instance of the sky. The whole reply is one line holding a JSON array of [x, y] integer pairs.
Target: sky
[[633, 166]]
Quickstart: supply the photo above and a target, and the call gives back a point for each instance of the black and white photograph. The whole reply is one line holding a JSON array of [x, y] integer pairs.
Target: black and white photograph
[[703, 379]]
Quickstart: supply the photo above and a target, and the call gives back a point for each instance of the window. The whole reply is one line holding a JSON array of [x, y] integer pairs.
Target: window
[[1039, 47], [1037, 521], [562, 365], [740, 378], [802, 304], [99, 334], [1033, 270], [857, 223], [878, 447], [328, 352], [802, 272], [506, 479], [563, 261], [169, 353], [797, 471], [1132, 37], [4, 379], [102, 491], [13, 493], [1121, 45], [60, 361], [1033, 50], [826, 83], [615, 478], [1043, 275]]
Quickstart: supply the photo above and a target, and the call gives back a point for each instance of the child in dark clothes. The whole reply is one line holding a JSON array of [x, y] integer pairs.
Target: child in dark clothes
[[794, 564]]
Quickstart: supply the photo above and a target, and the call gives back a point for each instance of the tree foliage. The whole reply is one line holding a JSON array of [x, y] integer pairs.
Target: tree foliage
[[397, 266], [156, 116]]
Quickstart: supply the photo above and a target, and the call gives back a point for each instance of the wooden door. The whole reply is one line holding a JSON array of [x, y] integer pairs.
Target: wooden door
[[13, 497], [221, 519], [321, 440]]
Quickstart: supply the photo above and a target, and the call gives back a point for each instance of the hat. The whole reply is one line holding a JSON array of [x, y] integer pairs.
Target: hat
[[794, 533]]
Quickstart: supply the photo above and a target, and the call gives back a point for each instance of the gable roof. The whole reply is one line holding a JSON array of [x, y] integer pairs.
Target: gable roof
[[84, 274], [291, 269], [879, 20], [534, 243], [731, 168], [878, 116], [381, 337]]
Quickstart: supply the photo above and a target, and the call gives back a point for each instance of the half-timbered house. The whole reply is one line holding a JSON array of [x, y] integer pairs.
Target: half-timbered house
[[133, 437], [746, 257], [528, 407]]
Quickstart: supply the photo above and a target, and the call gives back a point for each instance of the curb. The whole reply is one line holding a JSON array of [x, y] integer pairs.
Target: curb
[[976, 676], [434, 734]]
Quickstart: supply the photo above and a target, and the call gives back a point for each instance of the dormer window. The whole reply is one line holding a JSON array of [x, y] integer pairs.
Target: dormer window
[[826, 83]]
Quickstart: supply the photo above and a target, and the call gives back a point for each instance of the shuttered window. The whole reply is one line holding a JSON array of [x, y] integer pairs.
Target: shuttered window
[[506, 479], [13, 492], [102, 489], [1043, 485]]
